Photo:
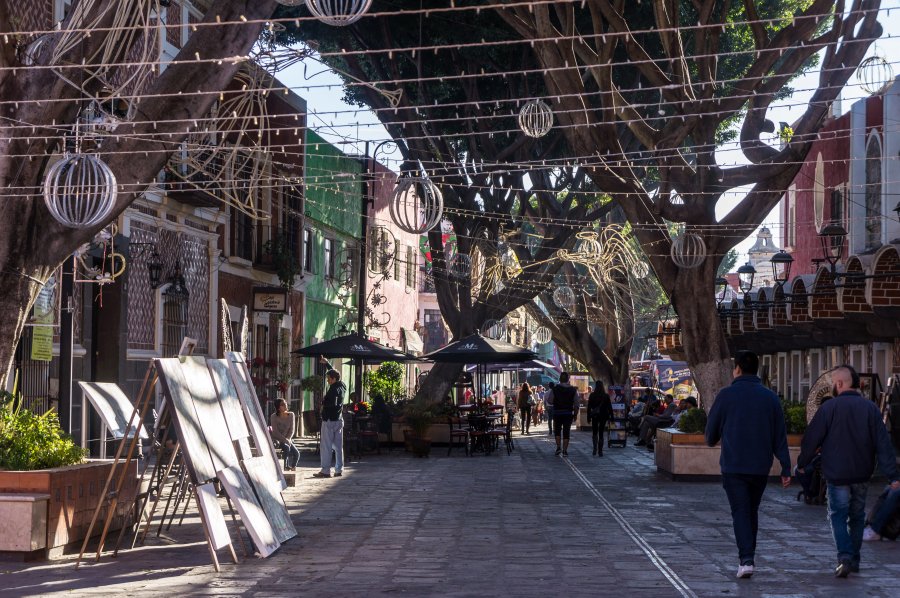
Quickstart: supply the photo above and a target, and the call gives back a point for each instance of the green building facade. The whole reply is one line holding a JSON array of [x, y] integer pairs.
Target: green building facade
[[330, 241]]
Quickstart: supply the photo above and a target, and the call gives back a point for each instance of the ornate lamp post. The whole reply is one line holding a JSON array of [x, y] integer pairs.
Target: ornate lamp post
[[746, 273], [781, 267], [832, 239]]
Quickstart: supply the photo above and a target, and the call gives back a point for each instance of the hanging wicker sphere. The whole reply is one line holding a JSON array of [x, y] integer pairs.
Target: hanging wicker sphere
[[535, 119], [336, 12], [640, 270], [588, 247], [542, 335], [29, 54], [495, 329], [417, 205], [688, 251], [460, 265], [564, 298], [80, 191], [874, 73]]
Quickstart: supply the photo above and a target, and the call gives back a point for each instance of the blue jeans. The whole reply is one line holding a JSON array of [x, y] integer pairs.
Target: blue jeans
[[847, 513], [889, 505], [332, 438], [548, 412], [745, 492], [291, 454]]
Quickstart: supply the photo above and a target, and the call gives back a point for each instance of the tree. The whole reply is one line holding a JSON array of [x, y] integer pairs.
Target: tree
[[712, 63], [40, 106]]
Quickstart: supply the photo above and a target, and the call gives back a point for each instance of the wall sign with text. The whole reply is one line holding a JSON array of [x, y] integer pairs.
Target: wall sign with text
[[271, 299]]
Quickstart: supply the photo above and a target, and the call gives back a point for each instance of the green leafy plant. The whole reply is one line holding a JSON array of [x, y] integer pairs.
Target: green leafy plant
[[794, 417], [312, 384], [385, 382], [693, 421], [29, 441], [286, 264], [418, 416]]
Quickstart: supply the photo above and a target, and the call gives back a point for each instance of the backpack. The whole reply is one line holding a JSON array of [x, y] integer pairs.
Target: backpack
[[812, 482]]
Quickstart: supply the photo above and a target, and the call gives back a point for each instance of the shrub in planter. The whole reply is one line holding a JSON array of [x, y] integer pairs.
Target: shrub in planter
[[692, 421], [795, 417], [29, 441]]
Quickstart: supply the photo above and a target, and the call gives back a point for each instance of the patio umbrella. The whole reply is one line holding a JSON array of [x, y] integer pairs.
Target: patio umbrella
[[355, 347], [532, 365], [478, 349]]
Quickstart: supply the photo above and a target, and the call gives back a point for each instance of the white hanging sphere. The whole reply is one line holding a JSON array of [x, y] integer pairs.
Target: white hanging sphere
[[495, 329], [535, 118], [564, 298], [542, 335], [588, 246], [874, 73], [460, 265], [688, 251], [336, 12], [417, 205], [640, 270], [29, 54], [80, 191]]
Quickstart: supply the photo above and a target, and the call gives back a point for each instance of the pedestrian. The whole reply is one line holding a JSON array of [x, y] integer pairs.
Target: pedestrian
[[889, 509], [849, 433], [599, 411], [548, 407], [332, 434], [565, 410], [747, 418], [525, 402], [283, 426]]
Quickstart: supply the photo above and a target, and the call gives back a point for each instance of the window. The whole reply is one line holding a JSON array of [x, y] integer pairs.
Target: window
[[175, 301], [411, 267], [308, 251], [838, 209], [241, 235], [873, 193], [397, 266], [328, 255], [790, 223], [819, 192]]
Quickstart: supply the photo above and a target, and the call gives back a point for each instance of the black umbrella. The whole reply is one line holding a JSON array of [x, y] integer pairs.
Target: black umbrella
[[478, 349], [355, 347]]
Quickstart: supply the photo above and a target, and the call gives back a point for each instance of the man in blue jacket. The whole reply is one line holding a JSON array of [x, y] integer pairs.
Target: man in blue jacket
[[850, 434], [748, 419]]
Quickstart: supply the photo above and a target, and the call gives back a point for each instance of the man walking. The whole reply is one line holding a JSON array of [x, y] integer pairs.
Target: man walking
[[332, 426], [748, 419], [565, 410], [850, 434]]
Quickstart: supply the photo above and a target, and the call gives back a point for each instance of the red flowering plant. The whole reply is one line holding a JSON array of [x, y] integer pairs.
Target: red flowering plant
[[362, 408]]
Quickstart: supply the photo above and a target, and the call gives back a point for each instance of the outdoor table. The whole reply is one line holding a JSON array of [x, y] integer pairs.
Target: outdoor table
[[480, 425]]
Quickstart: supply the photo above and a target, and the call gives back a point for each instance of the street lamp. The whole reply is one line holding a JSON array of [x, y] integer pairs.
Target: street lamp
[[783, 274], [832, 238], [721, 283], [746, 274]]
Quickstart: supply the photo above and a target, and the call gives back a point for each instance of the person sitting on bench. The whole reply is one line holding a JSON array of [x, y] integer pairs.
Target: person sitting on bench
[[651, 423]]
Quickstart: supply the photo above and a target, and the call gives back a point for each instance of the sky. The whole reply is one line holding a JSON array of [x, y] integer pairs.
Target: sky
[[337, 121]]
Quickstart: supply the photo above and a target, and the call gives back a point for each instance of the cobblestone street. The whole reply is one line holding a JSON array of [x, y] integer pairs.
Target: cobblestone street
[[530, 524]]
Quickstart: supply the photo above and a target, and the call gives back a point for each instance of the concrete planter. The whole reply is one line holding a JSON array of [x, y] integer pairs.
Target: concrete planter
[[686, 456], [438, 433], [73, 493]]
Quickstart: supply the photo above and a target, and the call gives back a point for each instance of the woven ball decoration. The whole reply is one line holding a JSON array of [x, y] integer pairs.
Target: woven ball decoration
[[417, 205], [564, 298], [338, 13], [30, 53], [640, 270], [874, 73], [495, 329], [536, 118], [542, 335], [588, 247], [688, 251], [80, 191]]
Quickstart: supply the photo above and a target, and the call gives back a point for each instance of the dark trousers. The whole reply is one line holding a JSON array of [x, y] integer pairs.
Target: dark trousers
[[562, 424], [525, 414], [597, 427], [745, 492]]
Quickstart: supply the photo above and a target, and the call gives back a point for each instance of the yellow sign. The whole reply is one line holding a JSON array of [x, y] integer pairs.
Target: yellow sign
[[42, 331], [42, 343]]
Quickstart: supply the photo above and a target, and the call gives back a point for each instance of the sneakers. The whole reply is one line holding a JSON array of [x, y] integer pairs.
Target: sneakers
[[843, 569], [744, 571], [565, 453], [321, 474], [338, 474], [558, 451], [869, 535]]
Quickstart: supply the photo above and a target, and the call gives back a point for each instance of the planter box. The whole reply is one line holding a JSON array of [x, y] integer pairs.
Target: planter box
[[686, 456], [73, 495], [438, 433], [23, 522]]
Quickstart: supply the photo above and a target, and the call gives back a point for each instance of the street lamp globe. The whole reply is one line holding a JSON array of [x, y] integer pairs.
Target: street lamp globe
[[746, 273], [781, 267], [832, 238]]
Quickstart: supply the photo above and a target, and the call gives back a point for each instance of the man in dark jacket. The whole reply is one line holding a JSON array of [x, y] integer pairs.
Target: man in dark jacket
[[565, 410], [332, 433], [849, 433], [748, 419]]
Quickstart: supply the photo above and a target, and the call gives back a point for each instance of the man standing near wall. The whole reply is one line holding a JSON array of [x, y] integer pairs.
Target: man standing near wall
[[748, 419], [849, 432], [332, 426]]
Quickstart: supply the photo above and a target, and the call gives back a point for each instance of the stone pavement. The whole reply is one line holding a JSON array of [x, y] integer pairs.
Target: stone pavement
[[530, 524]]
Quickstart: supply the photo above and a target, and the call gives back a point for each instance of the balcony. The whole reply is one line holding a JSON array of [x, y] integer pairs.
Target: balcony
[[199, 188]]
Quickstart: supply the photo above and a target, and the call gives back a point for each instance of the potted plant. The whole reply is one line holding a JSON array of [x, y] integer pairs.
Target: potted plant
[[37, 459], [418, 417]]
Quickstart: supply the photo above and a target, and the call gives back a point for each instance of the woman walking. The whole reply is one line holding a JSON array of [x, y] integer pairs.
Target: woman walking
[[284, 425], [599, 412], [525, 401]]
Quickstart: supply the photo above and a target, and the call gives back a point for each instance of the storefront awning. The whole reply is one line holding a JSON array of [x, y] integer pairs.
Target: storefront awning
[[412, 342]]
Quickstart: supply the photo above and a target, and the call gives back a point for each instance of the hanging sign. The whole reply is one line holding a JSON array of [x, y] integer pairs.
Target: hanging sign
[[42, 329], [270, 299]]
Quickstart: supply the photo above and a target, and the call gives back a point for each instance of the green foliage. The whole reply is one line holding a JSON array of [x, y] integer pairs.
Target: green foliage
[[29, 441], [728, 262], [693, 421], [418, 414], [385, 382], [794, 417], [312, 384], [286, 263]]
